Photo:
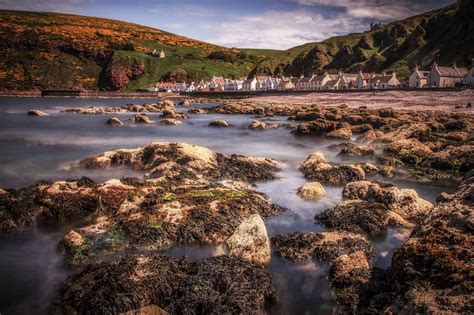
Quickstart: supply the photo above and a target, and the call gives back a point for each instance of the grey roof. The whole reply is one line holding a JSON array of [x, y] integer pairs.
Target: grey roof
[[382, 79], [448, 72]]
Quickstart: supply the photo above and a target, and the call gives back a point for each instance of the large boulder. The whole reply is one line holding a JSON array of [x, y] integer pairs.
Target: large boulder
[[216, 285], [316, 168], [250, 241]]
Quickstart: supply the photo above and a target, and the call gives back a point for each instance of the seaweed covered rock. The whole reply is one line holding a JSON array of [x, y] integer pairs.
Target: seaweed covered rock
[[217, 285], [372, 207], [157, 217], [316, 168], [341, 133], [60, 201], [316, 127], [219, 123], [184, 162], [170, 122], [129, 108], [114, 121], [258, 125], [311, 191], [348, 254], [143, 119], [250, 241], [404, 202], [432, 271]]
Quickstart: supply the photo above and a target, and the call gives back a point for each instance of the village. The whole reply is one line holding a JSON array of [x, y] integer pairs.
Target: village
[[436, 77]]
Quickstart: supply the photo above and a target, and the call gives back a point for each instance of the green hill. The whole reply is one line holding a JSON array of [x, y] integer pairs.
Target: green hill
[[57, 51], [445, 35]]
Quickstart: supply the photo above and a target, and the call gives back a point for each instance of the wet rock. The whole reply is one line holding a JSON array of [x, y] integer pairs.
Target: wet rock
[[217, 285], [143, 119], [371, 135], [36, 112], [183, 162], [315, 168], [184, 103], [250, 241], [404, 202], [317, 127], [114, 121], [258, 124], [129, 108], [409, 150], [348, 254], [351, 149], [170, 122], [219, 123], [454, 158], [157, 216], [432, 271], [341, 133], [197, 110], [312, 191]]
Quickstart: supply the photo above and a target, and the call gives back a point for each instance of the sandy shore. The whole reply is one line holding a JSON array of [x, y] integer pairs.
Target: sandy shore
[[423, 100]]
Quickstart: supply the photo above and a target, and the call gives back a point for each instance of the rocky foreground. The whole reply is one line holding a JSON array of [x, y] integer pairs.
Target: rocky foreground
[[182, 202]]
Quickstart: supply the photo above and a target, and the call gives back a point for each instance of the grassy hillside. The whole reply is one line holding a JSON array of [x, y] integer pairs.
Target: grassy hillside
[[49, 50], [445, 35]]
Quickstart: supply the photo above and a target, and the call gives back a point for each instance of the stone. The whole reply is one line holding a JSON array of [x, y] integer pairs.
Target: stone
[[250, 241], [258, 124], [143, 119], [36, 112], [170, 122], [341, 133], [114, 121], [219, 123], [312, 191]]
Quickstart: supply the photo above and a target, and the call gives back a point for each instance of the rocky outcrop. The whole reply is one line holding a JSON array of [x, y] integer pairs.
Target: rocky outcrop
[[316, 168], [155, 216], [373, 207], [432, 271], [183, 162], [250, 241], [312, 191], [120, 72], [217, 285], [129, 108]]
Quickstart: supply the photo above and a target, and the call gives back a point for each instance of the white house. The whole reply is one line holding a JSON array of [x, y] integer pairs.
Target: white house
[[250, 84], [350, 80], [336, 84], [384, 82], [202, 86], [170, 87], [217, 84], [446, 76], [304, 83], [363, 79], [266, 83], [190, 87], [318, 82], [233, 85], [418, 78], [285, 84]]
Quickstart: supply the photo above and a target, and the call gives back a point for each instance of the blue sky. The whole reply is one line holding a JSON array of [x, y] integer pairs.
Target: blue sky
[[277, 24]]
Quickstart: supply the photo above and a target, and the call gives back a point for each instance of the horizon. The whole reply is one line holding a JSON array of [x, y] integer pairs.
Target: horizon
[[263, 24]]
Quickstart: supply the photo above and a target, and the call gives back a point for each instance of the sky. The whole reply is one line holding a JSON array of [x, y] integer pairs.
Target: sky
[[278, 24]]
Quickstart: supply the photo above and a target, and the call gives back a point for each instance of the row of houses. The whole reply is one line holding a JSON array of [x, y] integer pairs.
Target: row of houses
[[267, 83], [441, 77], [436, 77]]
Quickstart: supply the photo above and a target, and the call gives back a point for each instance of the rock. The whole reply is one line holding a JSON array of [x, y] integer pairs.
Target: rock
[[371, 135], [184, 103], [351, 149], [156, 216], [317, 127], [341, 133], [36, 112], [170, 122], [250, 241], [404, 202], [348, 254], [312, 191], [454, 158], [114, 121], [184, 163], [257, 124], [315, 168], [143, 119], [179, 286], [431, 272], [219, 123], [409, 150]]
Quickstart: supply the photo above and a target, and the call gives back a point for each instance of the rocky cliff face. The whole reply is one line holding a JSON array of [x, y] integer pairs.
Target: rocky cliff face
[[398, 46]]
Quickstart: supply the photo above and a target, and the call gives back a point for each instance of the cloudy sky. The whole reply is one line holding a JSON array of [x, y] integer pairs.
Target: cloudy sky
[[278, 24]]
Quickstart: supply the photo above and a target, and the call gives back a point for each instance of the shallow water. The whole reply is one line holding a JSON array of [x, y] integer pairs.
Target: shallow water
[[41, 148]]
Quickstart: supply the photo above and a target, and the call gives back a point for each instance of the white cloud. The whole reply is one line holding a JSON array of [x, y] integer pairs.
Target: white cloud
[[281, 30], [376, 9]]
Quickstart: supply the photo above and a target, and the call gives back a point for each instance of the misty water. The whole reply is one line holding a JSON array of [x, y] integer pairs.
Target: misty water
[[41, 148]]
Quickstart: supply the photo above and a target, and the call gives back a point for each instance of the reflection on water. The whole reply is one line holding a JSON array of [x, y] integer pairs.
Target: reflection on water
[[37, 148]]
